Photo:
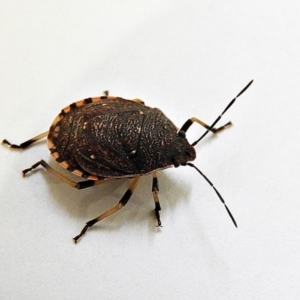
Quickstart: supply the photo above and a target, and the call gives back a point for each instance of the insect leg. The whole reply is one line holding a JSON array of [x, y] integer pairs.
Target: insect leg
[[27, 143], [136, 100], [190, 121], [155, 190], [114, 209], [139, 101], [78, 185]]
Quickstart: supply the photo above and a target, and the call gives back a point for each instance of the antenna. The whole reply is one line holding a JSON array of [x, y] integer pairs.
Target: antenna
[[219, 195], [220, 116]]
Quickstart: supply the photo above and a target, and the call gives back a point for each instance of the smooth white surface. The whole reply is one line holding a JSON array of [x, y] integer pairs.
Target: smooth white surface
[[189, 58]]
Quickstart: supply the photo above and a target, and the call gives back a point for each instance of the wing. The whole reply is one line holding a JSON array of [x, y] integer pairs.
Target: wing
[[106, 145]]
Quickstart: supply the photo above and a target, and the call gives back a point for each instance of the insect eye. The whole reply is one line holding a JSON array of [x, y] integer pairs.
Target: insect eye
[[176, 163], [181, 134]]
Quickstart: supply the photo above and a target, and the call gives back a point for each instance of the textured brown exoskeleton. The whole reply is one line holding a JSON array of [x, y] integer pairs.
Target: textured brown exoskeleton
[[108, 137]]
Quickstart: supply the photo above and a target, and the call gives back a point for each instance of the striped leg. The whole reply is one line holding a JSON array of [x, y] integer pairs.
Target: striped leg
[[114, 209], [155, 190], [78, 185], [139, 101], [190, 121], [27, 143]]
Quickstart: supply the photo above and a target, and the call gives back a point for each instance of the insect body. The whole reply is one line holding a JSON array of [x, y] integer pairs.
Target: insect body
[[108, 137]]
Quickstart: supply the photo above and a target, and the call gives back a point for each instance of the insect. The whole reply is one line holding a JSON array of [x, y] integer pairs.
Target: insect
[[107, 137]]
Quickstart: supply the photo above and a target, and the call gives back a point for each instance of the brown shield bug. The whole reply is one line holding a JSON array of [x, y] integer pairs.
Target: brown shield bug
[[105, 138]]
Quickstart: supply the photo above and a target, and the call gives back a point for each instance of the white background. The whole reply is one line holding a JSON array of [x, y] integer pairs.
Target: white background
[[189, 58]]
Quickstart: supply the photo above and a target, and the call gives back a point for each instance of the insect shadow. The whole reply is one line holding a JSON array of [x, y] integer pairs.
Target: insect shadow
[[83, 204]]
